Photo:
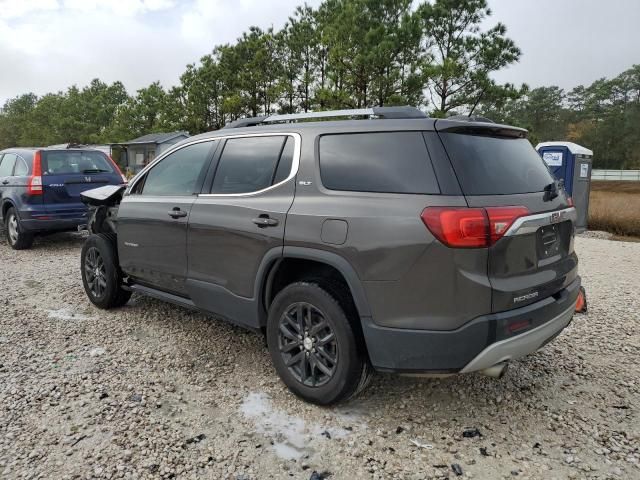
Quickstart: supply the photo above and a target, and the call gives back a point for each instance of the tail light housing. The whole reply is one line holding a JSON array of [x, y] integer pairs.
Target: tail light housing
[[462, 227], [34, 184], [115, 165]]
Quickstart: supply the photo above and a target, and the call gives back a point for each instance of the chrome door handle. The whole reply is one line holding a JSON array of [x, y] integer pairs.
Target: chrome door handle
[[177, 213], [263, 222]]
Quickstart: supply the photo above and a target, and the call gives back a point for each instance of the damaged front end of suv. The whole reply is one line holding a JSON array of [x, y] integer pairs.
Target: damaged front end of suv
[[103, 204]]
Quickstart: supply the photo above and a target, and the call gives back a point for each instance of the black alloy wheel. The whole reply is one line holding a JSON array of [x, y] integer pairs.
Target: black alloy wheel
[[307, 344], [315, 344], [101, 275], [95, 272]]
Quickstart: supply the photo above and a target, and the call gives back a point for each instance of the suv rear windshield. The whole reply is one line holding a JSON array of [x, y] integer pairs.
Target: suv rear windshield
[[496, 165], [67, 162], [385, 162]]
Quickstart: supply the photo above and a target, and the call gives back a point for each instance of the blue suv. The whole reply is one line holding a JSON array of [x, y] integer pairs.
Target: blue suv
[[40, 189]]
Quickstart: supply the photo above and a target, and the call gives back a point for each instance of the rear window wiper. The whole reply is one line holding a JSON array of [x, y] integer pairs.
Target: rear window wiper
[[95, 170], [550, 191]]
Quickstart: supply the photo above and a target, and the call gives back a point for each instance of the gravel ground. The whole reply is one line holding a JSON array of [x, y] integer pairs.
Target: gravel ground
[[155, 391]]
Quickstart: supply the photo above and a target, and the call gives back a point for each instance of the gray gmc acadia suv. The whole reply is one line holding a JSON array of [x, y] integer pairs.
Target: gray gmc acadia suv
[[396, 242]]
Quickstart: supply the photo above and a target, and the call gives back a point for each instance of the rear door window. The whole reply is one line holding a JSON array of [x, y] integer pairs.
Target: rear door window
[[7, 163], [69, 162], [21, 168], [496, 165], [249, 164], [386, 162]]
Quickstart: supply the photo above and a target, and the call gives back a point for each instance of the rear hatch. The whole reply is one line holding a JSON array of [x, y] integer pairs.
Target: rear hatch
[[531, 254], [68, 173]]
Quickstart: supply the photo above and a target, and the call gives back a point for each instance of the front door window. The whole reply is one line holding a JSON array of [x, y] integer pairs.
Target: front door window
[[178, 173]]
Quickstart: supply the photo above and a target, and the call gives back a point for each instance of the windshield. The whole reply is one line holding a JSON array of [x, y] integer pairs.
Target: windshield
[[496, 165], [69, 162]]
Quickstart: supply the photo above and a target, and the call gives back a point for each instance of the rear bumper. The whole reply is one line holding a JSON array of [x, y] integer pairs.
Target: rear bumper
[[479, 344], [521, 345], [52, 225]]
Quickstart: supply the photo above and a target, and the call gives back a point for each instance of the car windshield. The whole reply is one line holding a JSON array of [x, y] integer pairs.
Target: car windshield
[[70, 162]]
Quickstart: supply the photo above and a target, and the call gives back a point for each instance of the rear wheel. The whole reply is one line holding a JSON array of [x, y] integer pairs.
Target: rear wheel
[[101, 275], [18, 239], [313, 345]]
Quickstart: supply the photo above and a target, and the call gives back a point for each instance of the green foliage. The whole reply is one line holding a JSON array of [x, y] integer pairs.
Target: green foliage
[[142, 114], [459, 55]]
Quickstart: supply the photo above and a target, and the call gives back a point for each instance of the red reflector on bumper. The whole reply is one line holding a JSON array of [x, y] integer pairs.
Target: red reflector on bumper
[[518, 326]]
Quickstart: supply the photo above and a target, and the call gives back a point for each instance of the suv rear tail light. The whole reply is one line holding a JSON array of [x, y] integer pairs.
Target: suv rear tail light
[[461, 227], [34, 184], [115, 165], [501, 218]]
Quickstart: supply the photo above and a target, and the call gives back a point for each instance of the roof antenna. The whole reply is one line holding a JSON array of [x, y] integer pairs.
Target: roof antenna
[[477, 102]]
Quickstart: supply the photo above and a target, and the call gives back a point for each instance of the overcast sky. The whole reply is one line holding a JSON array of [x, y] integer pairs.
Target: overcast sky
[[48, 45]]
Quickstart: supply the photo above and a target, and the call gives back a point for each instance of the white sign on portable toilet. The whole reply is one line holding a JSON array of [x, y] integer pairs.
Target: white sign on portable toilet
[[552, 159]]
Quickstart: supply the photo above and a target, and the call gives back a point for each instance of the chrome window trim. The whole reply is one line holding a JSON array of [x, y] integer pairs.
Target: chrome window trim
[[134, 181], [531, 223], [295, 164]]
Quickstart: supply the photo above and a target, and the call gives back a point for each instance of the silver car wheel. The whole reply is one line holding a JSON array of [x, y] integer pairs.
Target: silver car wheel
[[12, 225]]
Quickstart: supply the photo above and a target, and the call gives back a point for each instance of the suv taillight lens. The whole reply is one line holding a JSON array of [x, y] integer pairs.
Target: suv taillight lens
[[501, 218], [461, 227], [115, 165], [34, 184]]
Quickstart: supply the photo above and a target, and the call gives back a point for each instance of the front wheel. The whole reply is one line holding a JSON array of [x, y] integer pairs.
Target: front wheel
[[16, 236], [313, 345], [101, 273]]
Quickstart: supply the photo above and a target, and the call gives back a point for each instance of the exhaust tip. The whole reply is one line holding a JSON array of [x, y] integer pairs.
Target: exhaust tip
[[497, 371]]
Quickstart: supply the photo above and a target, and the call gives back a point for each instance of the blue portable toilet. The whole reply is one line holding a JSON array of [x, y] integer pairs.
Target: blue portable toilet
[[572, 163]]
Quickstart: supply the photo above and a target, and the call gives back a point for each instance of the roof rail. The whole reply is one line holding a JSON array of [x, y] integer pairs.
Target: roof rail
[[246, 122], [67, 145], [380, 112]]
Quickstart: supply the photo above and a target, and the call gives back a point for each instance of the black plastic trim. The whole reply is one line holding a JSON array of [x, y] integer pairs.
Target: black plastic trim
[[442, 167], [415, 351], [162, 295], [340, 264]]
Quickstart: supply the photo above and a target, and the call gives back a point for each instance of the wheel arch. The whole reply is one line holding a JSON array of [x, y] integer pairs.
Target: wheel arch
[[7, 203], [269, 287]]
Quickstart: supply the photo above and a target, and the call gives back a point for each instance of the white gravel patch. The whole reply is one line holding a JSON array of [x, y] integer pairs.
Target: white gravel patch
[[155, 391], [596, 234], [66, 314], [96, 352], [291, 437]]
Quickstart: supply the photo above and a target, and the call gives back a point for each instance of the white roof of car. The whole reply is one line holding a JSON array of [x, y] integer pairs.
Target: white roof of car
[[573, 147]]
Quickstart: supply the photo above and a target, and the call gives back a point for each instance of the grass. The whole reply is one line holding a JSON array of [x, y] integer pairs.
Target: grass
[[615, 186], [615, 207]]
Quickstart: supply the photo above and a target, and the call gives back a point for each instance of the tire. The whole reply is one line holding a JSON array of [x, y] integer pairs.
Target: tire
[[17, 238], [101, 274], [325, 365]]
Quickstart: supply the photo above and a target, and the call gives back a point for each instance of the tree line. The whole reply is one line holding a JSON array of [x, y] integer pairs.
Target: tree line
[[437, 55]]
